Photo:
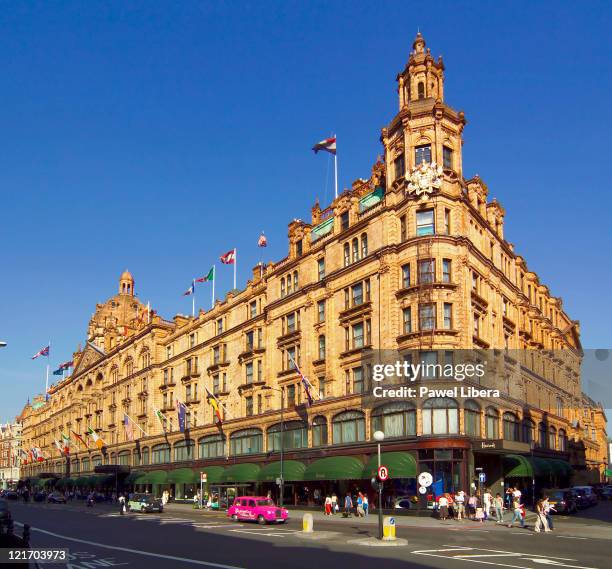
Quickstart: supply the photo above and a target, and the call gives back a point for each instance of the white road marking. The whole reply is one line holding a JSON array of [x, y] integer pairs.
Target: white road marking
[[570, 537], [135, 551]]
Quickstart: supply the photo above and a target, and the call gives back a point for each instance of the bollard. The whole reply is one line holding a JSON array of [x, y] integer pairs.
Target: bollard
[[388, 528], [307, 524]]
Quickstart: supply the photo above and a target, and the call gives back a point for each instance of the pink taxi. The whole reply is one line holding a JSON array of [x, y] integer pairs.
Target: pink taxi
[[257, 508]]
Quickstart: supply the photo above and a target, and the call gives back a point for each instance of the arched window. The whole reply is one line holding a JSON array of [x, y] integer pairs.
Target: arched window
[[129, 367], [319, 431], [99, 378], [528, 431], [511, 427], [440, 416], [562, 440], [145, 359], [492, 423], [124, 458], [184, 450], [96, 461], [75, 466], [144, 456], [295, 280], [348, 427], [542, 435], [395, 419], [347, 255], [136, 457], [364, 245], [295, 435], [160, 454], [114, 374], [288, 284], [471, 418], [247, 441], [212, 446], [552, 438], [421, 90], [85, 465], [355, 247], [283, 287]]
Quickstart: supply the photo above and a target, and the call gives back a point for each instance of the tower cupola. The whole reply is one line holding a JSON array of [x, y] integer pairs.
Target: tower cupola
[[126, 283]]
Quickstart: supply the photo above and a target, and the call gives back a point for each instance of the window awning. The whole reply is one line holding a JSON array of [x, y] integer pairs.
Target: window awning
[[335, 468], [400, 465], [154, 477], [517, 466], [246, 472], [371, 199], [182, 476], [560, 467], [293, 470], [82, 481], [133, 476], [541, 466], [214, 474]]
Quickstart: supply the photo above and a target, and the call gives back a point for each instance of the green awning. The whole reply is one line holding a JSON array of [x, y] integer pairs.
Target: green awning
[[182, 476], [132, 476], [214, 474], [371, 199], [50, 482], [82, 481], [517, 466], [560, 467], [246, 472], [292, 470], [322, 229], [154, 477], [335, 468], [400, 465], [541, 466], [608, 472]]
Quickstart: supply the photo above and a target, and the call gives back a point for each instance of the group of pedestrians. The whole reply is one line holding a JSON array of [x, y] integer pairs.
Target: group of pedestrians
[[360, 504]]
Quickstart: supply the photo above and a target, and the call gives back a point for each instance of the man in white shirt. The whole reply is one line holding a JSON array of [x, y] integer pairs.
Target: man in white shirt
[[487, 498], [460, 504]]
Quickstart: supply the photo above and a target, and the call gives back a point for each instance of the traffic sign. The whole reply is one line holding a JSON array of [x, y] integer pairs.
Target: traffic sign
[[482, 477], [203, 477], [383, 473], [425, 479]]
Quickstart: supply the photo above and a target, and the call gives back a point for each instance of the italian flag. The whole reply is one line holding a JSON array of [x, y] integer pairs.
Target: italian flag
[[209, 277], [96, 438]]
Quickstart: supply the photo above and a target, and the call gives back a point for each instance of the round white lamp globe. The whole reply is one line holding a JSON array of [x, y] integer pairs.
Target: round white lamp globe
[[379, 436]]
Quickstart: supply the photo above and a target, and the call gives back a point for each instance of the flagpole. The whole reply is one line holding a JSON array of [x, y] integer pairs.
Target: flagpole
[[212, 303], [235, 264], [193, 303], [336, 166]]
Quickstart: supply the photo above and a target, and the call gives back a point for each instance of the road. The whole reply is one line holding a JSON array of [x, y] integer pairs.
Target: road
[[182, 537]]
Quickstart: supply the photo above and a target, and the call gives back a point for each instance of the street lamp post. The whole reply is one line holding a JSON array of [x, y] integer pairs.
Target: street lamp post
[[282, 443], [379, 437]]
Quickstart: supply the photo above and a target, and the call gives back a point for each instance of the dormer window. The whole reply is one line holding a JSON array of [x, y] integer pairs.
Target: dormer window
[[344, 221], [421, 90], [298, 248], [447, 158], [400, 168]]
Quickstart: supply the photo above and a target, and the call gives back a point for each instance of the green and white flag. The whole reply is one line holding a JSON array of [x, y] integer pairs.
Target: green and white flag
[[209, 277], [161, 418]]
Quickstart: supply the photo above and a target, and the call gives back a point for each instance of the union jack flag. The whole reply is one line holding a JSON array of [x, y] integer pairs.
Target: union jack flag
[[43, 352]]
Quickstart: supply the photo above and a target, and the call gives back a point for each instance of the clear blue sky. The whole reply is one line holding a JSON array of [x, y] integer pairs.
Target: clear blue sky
[[157, 135]]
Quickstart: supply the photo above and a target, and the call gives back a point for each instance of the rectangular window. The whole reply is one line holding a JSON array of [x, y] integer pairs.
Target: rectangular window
[[447, 158], [476, 324], [216, 355], [250, 337], [358, 383], [321, 347], [403, 229], [321, 388], [422, 154], [249, 372], [290, 323], [321, 268], [407, 318], [249, 406], [425, 222], [321, 310], [448, 316], [299, 248], [446, 270], [344, 221], [427, 316], [400, 168], [253, 309], [357, 294], [220, 326], [291, 395], [192, 340], [426, 271], [447, 221], [406, 276], [357, 330]]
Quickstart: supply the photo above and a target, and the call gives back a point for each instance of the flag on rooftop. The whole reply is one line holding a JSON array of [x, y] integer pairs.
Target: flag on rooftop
[[42, 352], [208, 277], [229, 258], [328, 145], [190, 290], [262, 241]]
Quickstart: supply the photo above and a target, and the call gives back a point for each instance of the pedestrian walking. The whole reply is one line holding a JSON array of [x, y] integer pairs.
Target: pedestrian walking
[[360, 512], [517, 513], [328, 505], [541, 518], [335, 506], [498, 504], [366, 505], [348, 505], [472, 505], [460, 504], [443, 507], [548, 509], [121, 501], [487, 499]]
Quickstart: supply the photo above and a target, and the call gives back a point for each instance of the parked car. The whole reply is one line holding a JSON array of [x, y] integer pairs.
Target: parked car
[[40, 496], [145, 503], [11, 495], [5, 513], [257, 508], [56, 498], [585, 496], [563, 500]]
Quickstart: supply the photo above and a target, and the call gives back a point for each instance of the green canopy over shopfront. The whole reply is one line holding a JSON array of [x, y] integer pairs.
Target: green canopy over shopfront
[[335, 468], [214, 474], [83, 481], [293, 470], [182, 476], [541, 466], [154, 477], [400, 465], [246, 472], [133, 476], [560, 467], [517, 466]]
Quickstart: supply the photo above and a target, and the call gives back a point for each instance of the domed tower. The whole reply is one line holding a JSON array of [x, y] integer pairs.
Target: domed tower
[[126, 283]]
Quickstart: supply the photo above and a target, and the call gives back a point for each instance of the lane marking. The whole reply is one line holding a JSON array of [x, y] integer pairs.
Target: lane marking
[[135, 551], [570, 537]]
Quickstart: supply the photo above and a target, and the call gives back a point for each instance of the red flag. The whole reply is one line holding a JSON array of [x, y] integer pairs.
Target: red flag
[[262, 241], [229, 258], [329, 145]]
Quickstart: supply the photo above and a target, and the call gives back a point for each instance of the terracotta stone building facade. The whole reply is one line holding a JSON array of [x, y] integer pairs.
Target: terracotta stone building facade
[[413, 261]]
